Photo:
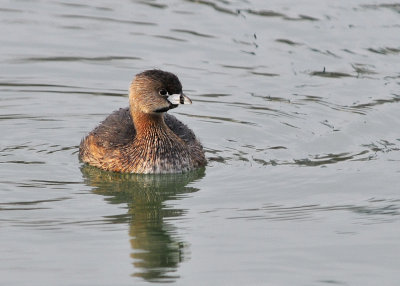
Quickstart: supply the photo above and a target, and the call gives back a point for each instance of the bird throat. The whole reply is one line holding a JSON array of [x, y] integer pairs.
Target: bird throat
[[161, 150]]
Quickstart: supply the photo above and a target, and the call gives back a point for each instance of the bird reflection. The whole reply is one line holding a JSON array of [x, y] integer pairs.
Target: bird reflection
[[157, 250]]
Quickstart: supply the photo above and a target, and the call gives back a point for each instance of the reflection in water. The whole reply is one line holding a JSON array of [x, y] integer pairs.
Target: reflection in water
[[157, 252]]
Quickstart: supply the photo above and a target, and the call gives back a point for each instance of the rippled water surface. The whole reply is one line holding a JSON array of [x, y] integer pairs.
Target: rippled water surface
[[296, 102]]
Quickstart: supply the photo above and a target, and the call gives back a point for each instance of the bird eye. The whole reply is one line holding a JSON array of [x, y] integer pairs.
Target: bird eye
[[163, 92]]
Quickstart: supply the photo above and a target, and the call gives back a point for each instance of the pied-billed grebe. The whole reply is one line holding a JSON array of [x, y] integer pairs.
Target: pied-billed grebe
[[144, 138]]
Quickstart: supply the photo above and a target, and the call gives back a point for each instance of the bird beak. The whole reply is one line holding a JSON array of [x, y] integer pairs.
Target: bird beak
[[179, 98]]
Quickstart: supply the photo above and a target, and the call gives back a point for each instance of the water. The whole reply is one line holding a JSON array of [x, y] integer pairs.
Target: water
[[296, 103]]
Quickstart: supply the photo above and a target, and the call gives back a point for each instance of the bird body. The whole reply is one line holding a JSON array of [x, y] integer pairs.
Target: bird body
[[144, 138]]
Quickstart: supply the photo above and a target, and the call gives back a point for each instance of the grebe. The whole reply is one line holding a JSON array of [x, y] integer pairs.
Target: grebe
[[143, 138]]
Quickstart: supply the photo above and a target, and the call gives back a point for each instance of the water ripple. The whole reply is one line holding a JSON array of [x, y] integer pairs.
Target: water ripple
[[358, 108], [324, 73], [29, 203], [153, 4], [363, 69], [215, 6], [218, 119], [326, 159], [395, 6], [382, 210], [76, 59], [288, 42], [376, 102], [80, 5], [55, 88], [270, 13], [267, 157], [385, 50], [194, 33], [106, 19]]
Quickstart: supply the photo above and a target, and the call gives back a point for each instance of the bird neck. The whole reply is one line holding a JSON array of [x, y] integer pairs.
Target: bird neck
[[149, 124]]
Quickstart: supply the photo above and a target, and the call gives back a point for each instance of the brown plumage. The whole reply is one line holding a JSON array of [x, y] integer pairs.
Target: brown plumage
[[143, 138]]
